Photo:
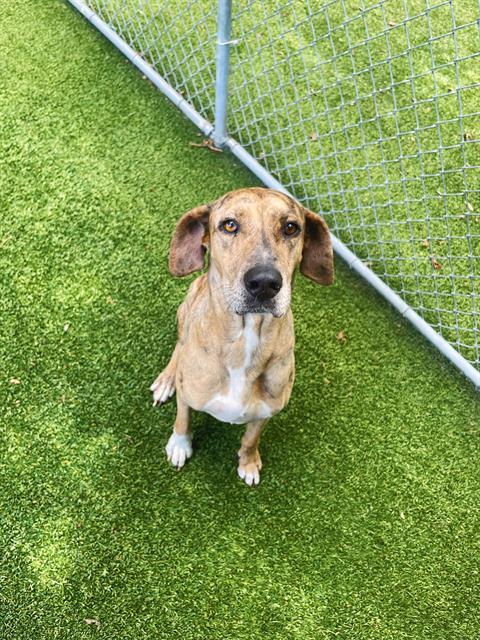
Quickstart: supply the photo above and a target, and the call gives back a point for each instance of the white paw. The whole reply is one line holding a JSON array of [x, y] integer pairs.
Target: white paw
[[250, 473], [179, 449], [163, 388]]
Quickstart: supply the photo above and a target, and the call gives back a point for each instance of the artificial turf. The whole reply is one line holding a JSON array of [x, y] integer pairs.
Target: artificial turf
[[365, 525]]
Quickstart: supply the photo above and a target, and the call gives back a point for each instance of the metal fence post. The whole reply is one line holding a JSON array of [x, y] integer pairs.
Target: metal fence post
[[224, 23]]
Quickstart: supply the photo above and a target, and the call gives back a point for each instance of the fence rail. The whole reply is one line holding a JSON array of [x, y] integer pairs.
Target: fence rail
[[368, 112]]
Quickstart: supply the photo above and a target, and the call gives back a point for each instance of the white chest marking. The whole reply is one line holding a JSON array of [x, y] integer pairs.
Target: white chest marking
[[230, 407]]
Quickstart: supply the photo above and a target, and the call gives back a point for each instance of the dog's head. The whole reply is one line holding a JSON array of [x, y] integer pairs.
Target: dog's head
[[256, 238]]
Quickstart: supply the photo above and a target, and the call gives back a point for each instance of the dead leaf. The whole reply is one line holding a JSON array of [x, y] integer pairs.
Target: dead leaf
[[391, 23], [208, 144], [470, 206], [435, 264], [128, 438], [468, 136], [92, 621], [425, 243], [110, 300], [66, 327], [313, 136], [341, 337], [14, 381]]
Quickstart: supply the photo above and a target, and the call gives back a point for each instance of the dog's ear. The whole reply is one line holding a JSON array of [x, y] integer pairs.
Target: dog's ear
[[317, 256], [189, 242]]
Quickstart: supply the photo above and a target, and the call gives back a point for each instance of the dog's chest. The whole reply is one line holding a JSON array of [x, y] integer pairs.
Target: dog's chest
[[239, 404]]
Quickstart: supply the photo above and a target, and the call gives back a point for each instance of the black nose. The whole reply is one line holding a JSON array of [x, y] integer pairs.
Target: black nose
[[263, 282]]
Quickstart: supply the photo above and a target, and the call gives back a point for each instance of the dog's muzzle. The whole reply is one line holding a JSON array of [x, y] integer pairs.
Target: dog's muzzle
[[262, 283]]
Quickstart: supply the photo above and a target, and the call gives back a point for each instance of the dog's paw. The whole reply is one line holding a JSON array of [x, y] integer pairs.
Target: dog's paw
[[163, 388], [179, 449], [250, 471]]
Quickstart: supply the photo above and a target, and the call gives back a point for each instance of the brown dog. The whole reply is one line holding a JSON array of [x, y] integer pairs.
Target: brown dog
[[234, 357]]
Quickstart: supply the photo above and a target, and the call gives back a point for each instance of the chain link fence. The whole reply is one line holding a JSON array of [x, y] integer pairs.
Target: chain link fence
[[368, 112]]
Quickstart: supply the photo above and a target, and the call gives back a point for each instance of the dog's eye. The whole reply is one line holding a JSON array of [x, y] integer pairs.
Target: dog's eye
[[291, 229], [229, 226]]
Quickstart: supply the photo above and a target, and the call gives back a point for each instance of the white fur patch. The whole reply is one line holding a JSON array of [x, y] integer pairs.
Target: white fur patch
[[251, 477], [179, 449], [251, 339], [229, 407], [163, 390]]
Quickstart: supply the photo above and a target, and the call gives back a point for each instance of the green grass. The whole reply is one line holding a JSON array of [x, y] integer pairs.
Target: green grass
[[354, 106], [365, 525]]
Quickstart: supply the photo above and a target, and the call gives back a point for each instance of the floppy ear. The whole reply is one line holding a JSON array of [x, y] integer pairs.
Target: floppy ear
[[317, 257], [189, 242]]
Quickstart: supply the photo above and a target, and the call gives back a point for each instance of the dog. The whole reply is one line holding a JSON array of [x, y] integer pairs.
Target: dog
[[234, 358]]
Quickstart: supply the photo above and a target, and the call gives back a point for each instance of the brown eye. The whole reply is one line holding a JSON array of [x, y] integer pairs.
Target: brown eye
[[291, 229], [229, 226]]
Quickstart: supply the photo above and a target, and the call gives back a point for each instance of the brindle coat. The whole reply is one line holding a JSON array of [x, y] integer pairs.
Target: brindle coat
[[234, 357]]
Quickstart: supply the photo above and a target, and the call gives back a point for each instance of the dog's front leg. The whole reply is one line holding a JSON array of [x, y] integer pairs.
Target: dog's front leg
[[250, 463], [179, 446]]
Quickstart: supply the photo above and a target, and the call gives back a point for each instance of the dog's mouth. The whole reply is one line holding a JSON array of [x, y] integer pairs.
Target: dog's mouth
[[266, 307], [262, 309]]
